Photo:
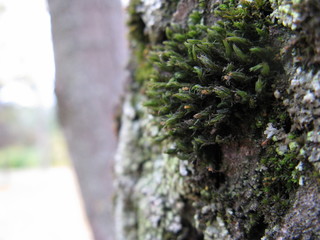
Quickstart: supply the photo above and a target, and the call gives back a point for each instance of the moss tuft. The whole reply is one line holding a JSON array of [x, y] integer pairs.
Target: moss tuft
[[209, 80]]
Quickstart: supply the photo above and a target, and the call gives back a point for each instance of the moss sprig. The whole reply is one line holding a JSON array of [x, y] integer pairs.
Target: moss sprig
[[208, 80]]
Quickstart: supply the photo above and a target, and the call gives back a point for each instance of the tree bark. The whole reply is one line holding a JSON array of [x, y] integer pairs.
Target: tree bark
[[261, 185], [90, 58]]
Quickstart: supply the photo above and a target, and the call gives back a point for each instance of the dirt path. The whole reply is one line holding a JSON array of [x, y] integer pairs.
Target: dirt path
[[41, 204]]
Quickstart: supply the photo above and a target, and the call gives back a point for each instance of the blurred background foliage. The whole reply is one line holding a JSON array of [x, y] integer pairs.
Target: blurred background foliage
[[30, 137], [29, 133]]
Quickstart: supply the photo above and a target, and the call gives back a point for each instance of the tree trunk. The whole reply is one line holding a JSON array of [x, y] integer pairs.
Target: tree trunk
[[90, 57], [253, 173]]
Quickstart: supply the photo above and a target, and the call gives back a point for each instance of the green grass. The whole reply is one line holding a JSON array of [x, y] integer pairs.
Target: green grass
[[19, 157]]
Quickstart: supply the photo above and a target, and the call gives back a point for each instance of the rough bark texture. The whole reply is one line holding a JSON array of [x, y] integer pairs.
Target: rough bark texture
[[263, 184], [90, 57]]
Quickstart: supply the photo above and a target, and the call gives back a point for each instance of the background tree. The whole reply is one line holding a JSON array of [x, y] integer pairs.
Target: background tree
[[90, 56]]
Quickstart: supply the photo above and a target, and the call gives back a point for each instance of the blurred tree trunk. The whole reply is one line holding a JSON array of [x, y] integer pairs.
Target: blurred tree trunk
[[90, 56]]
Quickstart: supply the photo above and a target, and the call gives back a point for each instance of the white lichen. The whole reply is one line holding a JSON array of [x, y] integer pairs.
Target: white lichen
[[299, 167], [301, 180], [277, 94], [287, 12], [208, 208], [304, 110], [308, 98], [151, 13], [183, 167], [270, 131], [217, 230]]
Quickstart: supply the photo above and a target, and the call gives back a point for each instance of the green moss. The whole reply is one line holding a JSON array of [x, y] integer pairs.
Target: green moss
[[280, 179], [136, 24], [208, 80], [139, 44], [143, 68]]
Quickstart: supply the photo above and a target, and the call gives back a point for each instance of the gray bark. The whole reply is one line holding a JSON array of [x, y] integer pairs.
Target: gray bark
[[90, 57]]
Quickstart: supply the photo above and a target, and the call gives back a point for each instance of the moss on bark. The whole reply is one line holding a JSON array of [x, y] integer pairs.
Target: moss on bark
[[247, 178]]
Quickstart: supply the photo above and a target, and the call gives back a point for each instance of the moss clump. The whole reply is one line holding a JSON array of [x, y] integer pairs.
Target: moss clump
[[281, 178], [139, 42], [210, 80], [279, 162]]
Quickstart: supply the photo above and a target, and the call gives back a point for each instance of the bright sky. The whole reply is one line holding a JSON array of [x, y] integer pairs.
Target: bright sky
[[125, 2], [26, 55]]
